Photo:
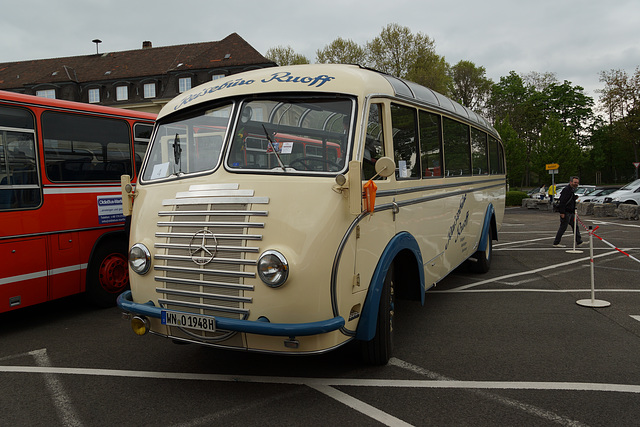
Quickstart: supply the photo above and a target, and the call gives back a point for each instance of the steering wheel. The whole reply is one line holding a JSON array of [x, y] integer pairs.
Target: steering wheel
[[303, 160]]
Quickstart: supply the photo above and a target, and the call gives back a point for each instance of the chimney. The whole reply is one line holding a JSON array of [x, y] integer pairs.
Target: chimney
[[146, 44]]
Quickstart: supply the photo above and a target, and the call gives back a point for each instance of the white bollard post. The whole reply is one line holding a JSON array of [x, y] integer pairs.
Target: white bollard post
[[593, 302]]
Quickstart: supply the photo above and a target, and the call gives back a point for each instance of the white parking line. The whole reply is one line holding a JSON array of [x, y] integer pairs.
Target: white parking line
[[325, 386], [331, 382], [63, 405], [598, 222], [359, 406], [497, 245], [524, 407], [528, 272], [635, 317]]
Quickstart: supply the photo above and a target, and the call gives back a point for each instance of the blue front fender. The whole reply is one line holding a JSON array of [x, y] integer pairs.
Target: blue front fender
[[486, 227], [401, 241]]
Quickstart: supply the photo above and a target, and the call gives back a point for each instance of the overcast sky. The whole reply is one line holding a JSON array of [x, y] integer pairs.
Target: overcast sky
[[575, 39]]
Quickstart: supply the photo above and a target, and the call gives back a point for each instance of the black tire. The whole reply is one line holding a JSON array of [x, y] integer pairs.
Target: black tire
[[108, 273], [378, 350], [483, 263]]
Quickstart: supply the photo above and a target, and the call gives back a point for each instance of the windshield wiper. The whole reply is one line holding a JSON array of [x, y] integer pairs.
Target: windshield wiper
[[273, 147], [177, 153]]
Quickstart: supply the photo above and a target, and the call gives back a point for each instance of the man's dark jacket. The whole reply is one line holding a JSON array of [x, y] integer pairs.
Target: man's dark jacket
[[567, 201]]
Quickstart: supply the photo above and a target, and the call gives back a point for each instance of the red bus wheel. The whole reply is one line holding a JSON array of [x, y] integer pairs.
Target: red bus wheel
[[114, 273], [108, 272]]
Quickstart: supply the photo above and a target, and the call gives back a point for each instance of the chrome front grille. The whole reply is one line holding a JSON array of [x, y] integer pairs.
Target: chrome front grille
[[208, 248]]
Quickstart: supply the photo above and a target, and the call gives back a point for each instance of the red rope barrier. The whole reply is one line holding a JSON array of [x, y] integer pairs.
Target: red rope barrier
[[592, 232]]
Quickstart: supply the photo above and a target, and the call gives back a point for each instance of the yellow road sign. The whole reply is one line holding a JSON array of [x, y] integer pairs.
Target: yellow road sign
[[552, 166]]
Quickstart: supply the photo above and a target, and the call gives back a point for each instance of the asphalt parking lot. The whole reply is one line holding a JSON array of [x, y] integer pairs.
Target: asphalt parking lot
[[510, 347]]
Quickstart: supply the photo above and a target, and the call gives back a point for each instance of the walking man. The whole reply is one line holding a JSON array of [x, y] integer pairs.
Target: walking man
[[567, 209]]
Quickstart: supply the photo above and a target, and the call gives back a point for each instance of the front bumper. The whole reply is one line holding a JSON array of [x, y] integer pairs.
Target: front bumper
[[149, 309]]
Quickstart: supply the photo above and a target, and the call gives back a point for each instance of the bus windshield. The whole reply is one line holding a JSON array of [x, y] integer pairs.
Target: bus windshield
[[189, 145], [292, 135]]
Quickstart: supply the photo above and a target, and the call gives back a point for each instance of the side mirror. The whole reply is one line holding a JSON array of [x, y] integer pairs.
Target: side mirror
[[385, 167]]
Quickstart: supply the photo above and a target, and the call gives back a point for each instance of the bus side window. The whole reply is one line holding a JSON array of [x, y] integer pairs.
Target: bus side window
[[374, 145], [19, 186], [430, 144], [405, 142], [494, 162], [479, 157], [457, 148], [142, 136], [84, 148]]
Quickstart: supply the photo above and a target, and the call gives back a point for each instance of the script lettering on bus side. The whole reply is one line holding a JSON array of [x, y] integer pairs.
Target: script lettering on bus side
[[459, 224], [209, 90], [287, 77], [280, 77]]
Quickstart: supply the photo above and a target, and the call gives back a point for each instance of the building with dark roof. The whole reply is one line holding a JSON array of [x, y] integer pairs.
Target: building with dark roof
[[144, 79]]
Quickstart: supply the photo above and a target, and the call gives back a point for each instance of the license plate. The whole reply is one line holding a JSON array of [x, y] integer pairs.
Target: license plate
[[188, 320]]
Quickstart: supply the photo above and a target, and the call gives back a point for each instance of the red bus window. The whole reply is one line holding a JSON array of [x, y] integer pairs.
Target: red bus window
[[19, 187], [84, 148]]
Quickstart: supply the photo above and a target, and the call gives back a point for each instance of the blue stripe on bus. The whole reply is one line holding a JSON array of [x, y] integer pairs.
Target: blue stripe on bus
[[125, 302]]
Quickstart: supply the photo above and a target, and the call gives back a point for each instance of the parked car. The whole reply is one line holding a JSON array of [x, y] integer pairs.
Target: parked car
[[537, 193], [597, 195], [630, 194], [583, 190]]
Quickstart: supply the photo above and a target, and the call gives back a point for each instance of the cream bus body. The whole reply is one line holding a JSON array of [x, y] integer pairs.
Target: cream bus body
[[249, 226]]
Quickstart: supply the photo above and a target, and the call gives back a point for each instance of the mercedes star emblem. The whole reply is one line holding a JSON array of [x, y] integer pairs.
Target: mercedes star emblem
[[200, 252]]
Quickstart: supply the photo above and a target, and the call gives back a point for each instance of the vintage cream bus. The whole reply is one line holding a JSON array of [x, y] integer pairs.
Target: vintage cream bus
[[283, 210]]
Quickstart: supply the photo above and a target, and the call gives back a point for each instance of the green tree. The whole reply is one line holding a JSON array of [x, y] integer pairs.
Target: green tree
[[397, 49], [621, 93], [431, 71], [470, 86], [549, 118], [515, 151], [602, 164], [512, 101], [556, 145], [571, 106], [285, 55], [341, 51], [539, 81], [621, 100]]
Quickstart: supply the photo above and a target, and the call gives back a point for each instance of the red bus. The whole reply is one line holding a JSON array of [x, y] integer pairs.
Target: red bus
[[61, 222]]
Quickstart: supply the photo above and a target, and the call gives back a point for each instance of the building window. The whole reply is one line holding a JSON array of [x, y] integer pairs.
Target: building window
[[150, 90], [184, 84], [122, 93], [217, 76], [47, 93], [94, 96]]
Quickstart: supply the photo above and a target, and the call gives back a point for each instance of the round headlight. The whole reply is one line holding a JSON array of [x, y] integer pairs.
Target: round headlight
[[273, 268], [139, 258]]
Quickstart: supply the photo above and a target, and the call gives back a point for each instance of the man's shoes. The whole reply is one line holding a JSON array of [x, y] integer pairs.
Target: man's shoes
[[558, 245], [579, 243]]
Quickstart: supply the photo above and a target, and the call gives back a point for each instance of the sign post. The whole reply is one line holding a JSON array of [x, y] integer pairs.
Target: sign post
[[553, 170]]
